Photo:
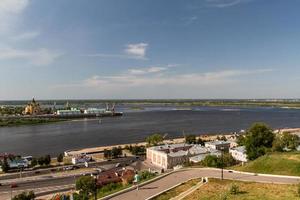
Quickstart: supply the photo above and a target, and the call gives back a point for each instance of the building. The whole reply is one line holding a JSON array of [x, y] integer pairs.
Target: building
[[170, 155], [95, 111], [81, 159], [239, 153], [32, 108], [115, 176], [71, 112], [218, 145]]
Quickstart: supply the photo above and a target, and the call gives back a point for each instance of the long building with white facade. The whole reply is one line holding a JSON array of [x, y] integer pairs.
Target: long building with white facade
[[170, 155]]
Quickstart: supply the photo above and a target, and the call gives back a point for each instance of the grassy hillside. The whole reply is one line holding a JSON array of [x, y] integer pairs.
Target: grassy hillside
[[274, 163], [216, 189]]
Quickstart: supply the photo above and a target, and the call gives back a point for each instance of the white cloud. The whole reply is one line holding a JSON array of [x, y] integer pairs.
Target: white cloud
[[35, 57], [9, 11], [165, 83], [141, 71], [137, 50], [132, 51], [26, 35], [224, 3]]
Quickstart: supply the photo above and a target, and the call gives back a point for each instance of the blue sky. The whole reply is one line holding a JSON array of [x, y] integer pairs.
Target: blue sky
[[62, 49]]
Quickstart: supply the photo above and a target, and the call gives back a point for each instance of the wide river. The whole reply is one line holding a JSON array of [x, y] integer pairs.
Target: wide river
[[134, 126]]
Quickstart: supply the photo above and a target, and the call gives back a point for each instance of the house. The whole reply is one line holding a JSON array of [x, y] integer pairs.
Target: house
[[115, 176], [239, 153], [218, 145], [81, 159], [170, 155]]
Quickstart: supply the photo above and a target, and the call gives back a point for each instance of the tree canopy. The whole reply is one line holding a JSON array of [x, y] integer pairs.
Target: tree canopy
[[259, 138], [86, 185], [155, 139], [25, 196], [190, 139]]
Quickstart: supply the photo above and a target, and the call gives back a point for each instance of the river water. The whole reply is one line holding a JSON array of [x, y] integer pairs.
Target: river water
[[134, 126]]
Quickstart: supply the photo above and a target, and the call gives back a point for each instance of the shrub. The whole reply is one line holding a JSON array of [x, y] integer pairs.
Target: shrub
[[234, 189]]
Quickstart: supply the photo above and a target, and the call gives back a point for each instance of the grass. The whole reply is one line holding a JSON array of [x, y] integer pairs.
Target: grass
[[27, 121], [217, 189], [177, 190], [287, 163]]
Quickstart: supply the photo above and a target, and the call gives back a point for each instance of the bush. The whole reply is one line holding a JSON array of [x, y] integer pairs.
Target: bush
[[234, 189], [298, 190], [145, 175], [60, 158], [25, 196]]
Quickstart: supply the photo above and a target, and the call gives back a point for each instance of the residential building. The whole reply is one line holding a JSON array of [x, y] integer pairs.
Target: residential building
[[239, 153], [218, 145], [81, 159]]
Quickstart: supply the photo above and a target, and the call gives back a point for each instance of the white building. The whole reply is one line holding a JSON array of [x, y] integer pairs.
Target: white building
[[94, 111], [218, 145], [73, 111], [169, 156], [239, 153], [81, 159]]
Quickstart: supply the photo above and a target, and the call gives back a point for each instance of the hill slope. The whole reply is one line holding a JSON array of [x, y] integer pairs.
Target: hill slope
[[274, 163]]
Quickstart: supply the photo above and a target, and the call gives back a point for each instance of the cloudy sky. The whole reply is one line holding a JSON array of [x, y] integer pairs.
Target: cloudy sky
[[62, 49]]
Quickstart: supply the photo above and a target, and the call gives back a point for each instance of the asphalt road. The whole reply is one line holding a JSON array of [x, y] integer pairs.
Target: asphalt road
[[181, 176], [149, 189], [52, 170], [53, 183]]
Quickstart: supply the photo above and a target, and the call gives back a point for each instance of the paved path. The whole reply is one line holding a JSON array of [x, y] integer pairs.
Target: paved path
[[181, 176]]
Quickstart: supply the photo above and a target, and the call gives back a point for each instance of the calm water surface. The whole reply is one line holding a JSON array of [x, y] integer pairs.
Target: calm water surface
[[135, 126]]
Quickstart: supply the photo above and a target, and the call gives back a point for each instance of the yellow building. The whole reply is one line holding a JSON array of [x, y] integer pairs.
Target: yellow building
[[32, 108]]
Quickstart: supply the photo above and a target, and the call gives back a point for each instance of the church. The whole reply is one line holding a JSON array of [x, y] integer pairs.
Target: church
[[32, 108]]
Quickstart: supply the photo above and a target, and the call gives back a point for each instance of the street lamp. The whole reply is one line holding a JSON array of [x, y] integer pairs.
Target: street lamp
[[95, 178], [222, 166]]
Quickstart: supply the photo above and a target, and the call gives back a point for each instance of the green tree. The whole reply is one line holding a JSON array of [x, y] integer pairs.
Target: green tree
[[34, 162], [190, 139], [4, 165], [211, 161], [290, 141], [107, 153], [241, 140], [25, 196], [60, 158], [86, 185], [41, 160], [285, 140], [154, 140], [116, 152], [223, 138], [47, 160], [258, 140], [200, 141]]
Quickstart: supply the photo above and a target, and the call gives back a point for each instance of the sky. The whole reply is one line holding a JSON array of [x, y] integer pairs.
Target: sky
[[140, 49]]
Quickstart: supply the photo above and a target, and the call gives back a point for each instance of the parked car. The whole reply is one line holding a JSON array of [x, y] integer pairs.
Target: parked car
[[13, 185]]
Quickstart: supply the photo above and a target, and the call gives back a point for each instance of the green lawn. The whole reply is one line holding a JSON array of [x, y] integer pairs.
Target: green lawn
[[274, 163], [217, 189]]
